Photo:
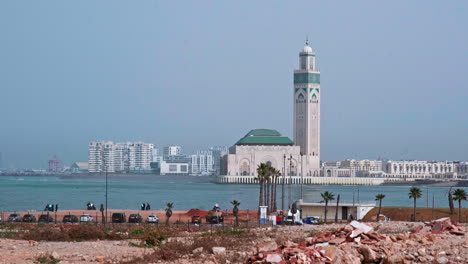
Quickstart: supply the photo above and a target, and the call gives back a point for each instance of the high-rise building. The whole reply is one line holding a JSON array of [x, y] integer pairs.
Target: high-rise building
[[307, 110], [202, 163], [119, 157], [172, 151], [95, 158], [108, 157], [143, 155], [218, 151]]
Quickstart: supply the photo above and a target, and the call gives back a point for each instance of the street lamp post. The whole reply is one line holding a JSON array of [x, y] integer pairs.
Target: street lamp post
[[302, 176], [289, 183], [105, 217], [282, 183]]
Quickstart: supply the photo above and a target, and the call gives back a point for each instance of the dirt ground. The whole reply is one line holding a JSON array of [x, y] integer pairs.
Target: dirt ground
[[422, 214], [444, 246]]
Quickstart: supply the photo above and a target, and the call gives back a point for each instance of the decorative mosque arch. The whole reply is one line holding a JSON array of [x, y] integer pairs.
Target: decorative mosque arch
[[244, 168]]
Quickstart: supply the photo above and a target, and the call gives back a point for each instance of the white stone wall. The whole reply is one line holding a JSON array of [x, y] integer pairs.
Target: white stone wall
[[245, 159]]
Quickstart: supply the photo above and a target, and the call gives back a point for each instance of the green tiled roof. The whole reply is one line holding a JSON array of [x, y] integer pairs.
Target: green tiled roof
[[264, 137]]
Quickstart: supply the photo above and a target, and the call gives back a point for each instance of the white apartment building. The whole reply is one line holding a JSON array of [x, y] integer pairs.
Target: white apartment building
[[172, 151], [202, 163], [94, 157], [119, 157], [420, 169], [362, 167], [462, 170], [101, 156], [143, 155]]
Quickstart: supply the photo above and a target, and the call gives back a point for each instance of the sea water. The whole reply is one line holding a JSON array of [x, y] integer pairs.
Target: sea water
[[19, 193]]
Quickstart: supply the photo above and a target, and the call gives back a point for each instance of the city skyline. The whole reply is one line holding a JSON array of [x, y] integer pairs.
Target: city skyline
[[158, 73]]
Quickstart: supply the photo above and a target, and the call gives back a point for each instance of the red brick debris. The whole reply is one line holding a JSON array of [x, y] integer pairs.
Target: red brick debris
[[357, 243]]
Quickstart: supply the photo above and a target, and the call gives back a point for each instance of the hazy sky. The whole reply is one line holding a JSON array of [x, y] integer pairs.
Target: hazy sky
[[202, 73]]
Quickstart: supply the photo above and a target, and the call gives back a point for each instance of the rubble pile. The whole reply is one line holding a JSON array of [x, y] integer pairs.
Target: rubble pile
[[359, 243]]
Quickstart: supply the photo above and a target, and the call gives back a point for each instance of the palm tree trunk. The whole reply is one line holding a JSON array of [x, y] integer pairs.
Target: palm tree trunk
[[267, 202], [337, 205], [326, 211], [414, 211], [380, 210], [459, 210], [275, 182], [260, 197]]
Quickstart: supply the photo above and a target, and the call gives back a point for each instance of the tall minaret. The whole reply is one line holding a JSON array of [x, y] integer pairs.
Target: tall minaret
[[307, 111]]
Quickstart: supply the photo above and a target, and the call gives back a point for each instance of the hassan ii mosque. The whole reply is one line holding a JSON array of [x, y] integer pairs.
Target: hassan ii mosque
[[300, 157]]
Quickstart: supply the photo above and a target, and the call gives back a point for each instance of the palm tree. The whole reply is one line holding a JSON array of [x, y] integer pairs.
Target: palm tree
[[414, 193], [276, 173], [379, 197], [169, 212], [235, 210], [459, 195], [267, 186], [450, 200], [327, 196], [262, 172]]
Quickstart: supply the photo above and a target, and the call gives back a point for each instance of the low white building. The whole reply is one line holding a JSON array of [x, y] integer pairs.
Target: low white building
[[175, 165], [346, 210], [338, 172], [362, 167], [174, 168], [420, 169], [79, 167], [462, 170]]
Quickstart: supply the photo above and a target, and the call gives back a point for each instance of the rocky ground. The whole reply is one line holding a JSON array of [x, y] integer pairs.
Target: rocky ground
[[21, 251], [389, 242]]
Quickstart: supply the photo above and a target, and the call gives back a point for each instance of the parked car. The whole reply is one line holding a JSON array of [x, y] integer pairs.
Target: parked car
[[291, 221], [70, 219], [213, 219], [43, 218], [118, 218], [135, 218], [86, 218], [14, 218], [384, 218], [196, 219], [311, 220], [29, 218], [152, 219]]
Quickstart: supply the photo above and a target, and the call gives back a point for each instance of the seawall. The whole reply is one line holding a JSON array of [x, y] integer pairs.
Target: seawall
[[307, 180]]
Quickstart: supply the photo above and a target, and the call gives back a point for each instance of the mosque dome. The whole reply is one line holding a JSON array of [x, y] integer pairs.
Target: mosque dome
[[307, 49]]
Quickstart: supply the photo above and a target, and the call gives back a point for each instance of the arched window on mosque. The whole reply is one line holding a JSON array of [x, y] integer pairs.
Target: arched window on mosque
[[245, 168]]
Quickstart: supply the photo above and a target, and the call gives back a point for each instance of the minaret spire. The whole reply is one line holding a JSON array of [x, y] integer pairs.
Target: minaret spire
[[307, 40]]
